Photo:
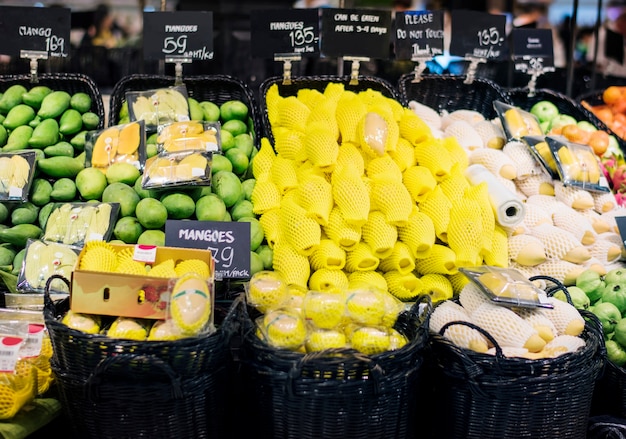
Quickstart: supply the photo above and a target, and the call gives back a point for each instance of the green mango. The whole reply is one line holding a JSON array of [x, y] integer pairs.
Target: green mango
[[64, 189], [21, 114], [60, 166], [195, 110], [19, 234], [90, 120], [4, 136], [45, 134], [7, 255], [11, 97], [40, 192], [35, 95], [17, 261], [26, 213], [71, 122], [44, 213], [54, 104], [36, 121], [5, 212], [78, 141], [18, 138], [62, 148]]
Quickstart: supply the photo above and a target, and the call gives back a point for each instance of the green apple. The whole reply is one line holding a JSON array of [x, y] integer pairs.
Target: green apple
[[545, 126], [561, 120], [545, 110], [586, 125]]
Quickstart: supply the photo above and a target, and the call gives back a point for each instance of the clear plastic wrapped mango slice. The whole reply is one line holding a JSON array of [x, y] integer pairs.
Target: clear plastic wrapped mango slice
[[328, 255], [379, 234], [404, 286], [418, 234], [399, 259]]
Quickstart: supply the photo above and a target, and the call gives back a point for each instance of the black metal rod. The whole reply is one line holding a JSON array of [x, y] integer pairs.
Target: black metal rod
[[596, 44], [572, 46]]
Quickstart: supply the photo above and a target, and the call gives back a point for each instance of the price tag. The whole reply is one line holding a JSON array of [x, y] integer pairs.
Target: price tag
[[45, 30], [181, 34], [358, 33], [418, 34], [478, 35], [285, 31], [229, 243], [614, 46], [533, 49]]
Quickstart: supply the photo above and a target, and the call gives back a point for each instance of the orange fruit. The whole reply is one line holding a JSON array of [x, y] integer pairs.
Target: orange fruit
[[599, 142], [575, 134], [612, 94]]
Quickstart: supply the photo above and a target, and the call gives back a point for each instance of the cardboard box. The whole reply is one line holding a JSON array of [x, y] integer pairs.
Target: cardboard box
[[127, 295]]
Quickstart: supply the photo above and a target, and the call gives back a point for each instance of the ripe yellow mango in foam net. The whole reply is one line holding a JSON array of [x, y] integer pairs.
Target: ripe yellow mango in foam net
[[266, 290]]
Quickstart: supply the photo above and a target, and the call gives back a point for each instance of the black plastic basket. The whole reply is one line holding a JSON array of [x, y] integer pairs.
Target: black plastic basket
[[336, 393], [69, 82], [609, 397], [114, 388], [482, 396], [451, 93], [215, 88], [319, 83]]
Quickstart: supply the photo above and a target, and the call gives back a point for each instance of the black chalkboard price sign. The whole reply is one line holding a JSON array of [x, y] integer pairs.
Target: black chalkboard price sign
[[478, 35], [533, 49], [183, 34], [419, 34], [35, 29], [229, 242], [358, 33], [285, 31]]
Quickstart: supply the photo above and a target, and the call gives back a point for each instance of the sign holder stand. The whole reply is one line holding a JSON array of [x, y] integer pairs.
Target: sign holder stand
[[420, 66], [287, 59], [33, 56], [178, 68], [471, 70], [355, 66], [535, 70]]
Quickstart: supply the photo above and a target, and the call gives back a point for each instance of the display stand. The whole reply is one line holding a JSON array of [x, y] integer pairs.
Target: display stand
[[33, 56]]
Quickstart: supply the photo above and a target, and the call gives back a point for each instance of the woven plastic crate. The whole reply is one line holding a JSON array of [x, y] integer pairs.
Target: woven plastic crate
[[318, 83], [451, 92], [336, 393], [215, 88], [126, 388], [482, 396], [69, 82], [609, 396]]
